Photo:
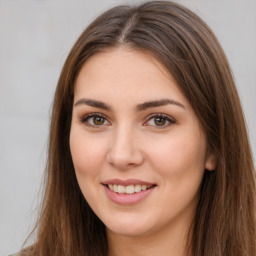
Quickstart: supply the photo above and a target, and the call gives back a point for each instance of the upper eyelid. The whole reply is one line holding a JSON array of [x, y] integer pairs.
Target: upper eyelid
[[168, 118], [86, 116], [94, 114], [161, 115], [148, 117]]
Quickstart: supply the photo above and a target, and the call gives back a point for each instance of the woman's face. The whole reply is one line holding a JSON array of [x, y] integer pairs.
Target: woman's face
[[137, 147]]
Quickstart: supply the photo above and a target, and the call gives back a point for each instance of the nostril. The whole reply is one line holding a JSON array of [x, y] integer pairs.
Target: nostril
[[123, 159]]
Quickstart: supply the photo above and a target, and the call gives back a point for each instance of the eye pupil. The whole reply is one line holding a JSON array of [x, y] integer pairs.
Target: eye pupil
[[98, 120], [160, 121]]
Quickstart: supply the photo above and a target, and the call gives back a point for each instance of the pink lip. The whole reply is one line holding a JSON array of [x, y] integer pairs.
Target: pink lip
[[127, 182], [127, 199]]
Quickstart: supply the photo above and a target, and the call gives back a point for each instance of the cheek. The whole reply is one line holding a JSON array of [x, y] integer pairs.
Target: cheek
[[181, 157], [87, 154]]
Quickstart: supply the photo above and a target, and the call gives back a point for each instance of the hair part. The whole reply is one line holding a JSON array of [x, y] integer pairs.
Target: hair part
[[225, 218]]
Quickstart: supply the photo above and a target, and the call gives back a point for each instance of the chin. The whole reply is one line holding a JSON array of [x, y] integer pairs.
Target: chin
[[127, 231], [129, 226]]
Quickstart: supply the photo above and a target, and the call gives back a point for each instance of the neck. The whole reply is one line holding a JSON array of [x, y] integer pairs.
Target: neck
[[171, 242]]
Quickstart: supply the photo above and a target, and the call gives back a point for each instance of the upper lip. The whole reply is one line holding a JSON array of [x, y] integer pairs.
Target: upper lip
[[127, 182]]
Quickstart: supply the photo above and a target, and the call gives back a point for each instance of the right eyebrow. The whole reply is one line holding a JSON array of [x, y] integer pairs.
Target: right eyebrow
[[158, 103], [93, 103]]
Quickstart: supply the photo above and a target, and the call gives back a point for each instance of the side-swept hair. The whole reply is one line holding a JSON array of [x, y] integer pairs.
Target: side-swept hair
[[225, 218]]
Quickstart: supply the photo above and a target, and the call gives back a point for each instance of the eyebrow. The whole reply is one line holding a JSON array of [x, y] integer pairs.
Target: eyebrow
[[158, 103], [93, 103], [140, 107]]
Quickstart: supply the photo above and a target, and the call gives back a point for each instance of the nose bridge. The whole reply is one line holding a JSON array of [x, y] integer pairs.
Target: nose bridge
[[124, 149]]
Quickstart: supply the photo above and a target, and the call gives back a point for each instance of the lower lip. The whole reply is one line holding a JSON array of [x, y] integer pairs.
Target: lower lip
[[128, 199]]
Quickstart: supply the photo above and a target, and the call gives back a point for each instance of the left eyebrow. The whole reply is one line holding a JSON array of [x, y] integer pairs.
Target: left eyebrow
[[93, 103], [158, 103]]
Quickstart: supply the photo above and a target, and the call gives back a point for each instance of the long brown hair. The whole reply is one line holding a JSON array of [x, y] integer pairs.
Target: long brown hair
[[225, 218]]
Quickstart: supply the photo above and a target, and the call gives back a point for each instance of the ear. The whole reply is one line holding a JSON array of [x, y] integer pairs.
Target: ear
[[210, 163]]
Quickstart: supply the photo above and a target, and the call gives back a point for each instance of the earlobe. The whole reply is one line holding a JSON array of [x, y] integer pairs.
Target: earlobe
[[210, 164]]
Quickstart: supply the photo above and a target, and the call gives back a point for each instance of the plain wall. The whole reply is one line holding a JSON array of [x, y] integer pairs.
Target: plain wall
[[35, 38]]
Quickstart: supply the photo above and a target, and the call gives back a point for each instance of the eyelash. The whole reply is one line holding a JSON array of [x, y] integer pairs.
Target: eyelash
[[93, 115], [164, 117], [86, 119]]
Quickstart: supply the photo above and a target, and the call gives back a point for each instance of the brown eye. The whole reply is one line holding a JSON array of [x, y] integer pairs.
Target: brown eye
[[160, 121], [98, 120], [95, 120]]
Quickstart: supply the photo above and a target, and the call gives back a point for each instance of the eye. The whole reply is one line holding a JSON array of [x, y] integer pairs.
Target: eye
[[95, 120], [159, 120]]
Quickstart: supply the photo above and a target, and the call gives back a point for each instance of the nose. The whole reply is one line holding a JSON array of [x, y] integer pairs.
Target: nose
[[124, 151]]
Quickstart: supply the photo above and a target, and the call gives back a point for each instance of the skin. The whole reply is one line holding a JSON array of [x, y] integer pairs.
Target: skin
[[127, 143]]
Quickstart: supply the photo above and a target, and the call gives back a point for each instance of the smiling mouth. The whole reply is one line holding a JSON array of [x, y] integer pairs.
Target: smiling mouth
[[128, 192], [130, 189]]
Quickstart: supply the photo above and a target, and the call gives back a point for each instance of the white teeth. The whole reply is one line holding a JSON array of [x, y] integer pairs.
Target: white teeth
[[137, 188], [143, 187], [115, 188], [131, 189], [121, 189]]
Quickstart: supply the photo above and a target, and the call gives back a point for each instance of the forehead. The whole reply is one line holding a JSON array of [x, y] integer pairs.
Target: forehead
[[124, 72]]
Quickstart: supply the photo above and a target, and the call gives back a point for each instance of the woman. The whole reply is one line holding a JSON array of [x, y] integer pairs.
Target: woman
[[148, 151]]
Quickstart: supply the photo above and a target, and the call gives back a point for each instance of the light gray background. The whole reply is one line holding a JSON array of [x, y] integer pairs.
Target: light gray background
[[35, 38]]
